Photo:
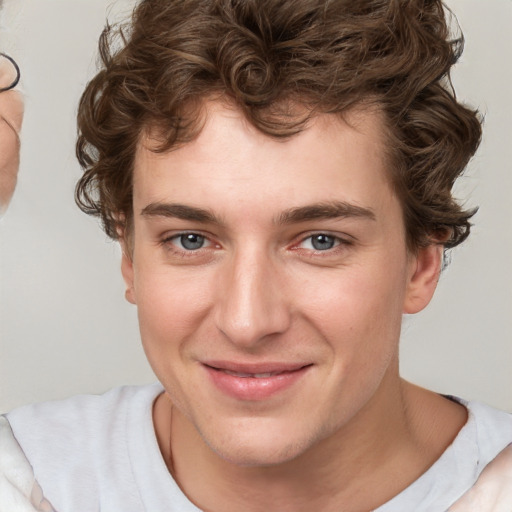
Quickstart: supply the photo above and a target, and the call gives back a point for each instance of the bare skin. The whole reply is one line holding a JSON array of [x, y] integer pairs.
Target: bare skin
[[385, 457], [493, 489], [250, 254], [11, 116]]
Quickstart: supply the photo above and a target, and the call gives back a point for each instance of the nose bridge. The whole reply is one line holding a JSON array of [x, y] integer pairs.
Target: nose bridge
[[252, 304]]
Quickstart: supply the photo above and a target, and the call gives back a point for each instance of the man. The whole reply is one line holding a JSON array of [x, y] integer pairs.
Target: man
[[279, 176]]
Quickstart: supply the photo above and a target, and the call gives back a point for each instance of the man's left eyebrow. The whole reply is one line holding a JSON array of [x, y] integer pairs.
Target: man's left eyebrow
[[328, 210]]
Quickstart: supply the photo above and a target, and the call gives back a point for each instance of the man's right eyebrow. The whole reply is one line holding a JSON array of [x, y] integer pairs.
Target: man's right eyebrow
[[180, 211]]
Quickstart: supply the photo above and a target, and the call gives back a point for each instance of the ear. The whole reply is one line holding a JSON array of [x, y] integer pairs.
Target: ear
[[128, 272], [424, 271]]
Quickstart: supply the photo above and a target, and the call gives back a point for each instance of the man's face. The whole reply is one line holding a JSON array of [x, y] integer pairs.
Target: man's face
[[270, 279]]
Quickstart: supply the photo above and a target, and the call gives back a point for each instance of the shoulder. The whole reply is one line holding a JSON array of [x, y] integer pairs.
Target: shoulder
[[487, 432], [74, 420], [491, 489], [491, 429], [78, 445], [78, 413], [492, 492]]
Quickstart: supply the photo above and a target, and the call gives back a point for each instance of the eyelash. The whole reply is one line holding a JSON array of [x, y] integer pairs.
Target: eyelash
[[168, 243], [339, 244]]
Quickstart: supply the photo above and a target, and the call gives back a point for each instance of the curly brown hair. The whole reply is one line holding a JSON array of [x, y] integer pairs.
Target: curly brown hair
[[268, 56]]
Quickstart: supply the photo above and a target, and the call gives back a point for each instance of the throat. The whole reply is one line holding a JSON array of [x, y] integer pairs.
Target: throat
[[386, 455]]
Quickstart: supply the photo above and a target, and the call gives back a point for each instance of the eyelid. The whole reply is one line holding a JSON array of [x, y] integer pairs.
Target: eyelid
[[341, 237], [168, 239], [337, 240], [169, 235], [342, 242]]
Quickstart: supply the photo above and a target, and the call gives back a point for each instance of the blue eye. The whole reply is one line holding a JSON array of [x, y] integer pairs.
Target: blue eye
[[320, 242], [191, 241], [323, 242]]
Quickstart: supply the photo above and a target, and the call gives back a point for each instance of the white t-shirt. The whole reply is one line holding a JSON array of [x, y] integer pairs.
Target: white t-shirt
[[92, 453]]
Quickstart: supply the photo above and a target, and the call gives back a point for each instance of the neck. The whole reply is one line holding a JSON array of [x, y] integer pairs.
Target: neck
[[385, 447]]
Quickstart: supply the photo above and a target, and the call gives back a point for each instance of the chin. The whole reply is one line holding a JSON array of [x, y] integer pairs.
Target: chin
[[258, 447], [260, 456]]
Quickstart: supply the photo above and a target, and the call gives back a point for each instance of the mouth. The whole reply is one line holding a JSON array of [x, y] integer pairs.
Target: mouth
[[250, 375], [254, 382]]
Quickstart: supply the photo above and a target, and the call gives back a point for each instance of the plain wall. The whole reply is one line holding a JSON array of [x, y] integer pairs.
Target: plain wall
[[64, 325]]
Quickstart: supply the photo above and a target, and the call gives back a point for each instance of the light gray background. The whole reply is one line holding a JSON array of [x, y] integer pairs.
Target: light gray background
[[64, 325]]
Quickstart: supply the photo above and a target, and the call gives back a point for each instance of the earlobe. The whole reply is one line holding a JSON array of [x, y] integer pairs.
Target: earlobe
[[425, 268], [128, 274]]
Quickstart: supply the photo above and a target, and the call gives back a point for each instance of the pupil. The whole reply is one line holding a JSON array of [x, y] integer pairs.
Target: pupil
[[191, 241], [323, 242]]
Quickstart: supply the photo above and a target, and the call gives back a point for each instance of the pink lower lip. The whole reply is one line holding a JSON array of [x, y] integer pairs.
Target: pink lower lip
[[252, 388]]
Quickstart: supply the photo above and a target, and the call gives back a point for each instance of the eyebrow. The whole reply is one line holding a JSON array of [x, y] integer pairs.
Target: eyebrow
[[327, 210], [180, 211], [317, 211]]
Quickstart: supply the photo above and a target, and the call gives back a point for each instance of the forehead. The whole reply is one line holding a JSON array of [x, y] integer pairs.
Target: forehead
[[231, 163]]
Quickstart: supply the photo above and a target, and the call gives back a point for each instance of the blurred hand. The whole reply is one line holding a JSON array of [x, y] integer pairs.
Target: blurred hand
[[11, 116], [493, 489], [19, 491]]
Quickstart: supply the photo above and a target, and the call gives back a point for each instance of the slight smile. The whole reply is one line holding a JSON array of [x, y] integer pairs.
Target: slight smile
[[254, 382]]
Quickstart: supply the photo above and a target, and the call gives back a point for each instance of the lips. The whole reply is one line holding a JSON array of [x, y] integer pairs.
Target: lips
[[254, 382], [250, 375]]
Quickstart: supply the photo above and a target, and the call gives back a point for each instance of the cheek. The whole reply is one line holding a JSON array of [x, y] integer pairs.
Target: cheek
[[359, 313], [356, 298], [359, 319], [171, 309], [171, 306]]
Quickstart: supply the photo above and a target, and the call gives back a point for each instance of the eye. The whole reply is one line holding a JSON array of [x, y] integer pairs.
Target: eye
[[320, 242], [190, 241]]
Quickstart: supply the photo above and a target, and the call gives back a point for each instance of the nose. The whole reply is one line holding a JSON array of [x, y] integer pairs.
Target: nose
[[252, 304]]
